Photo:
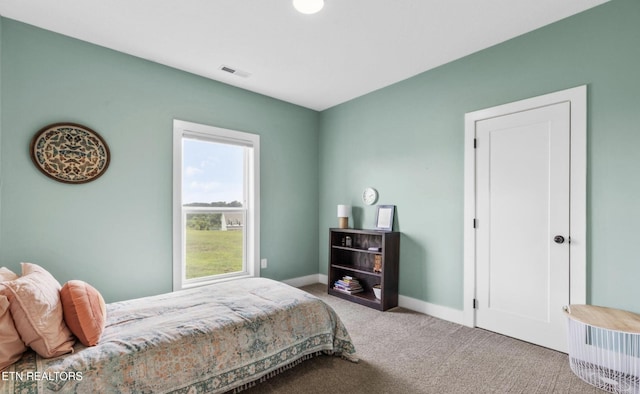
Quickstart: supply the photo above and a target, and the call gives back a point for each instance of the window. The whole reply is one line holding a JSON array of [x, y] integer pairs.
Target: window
[[215, 204]]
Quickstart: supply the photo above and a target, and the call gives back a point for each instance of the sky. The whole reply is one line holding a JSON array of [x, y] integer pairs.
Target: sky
[[211, 172]]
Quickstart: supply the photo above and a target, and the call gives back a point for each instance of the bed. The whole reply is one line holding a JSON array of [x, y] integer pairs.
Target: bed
[[210, 339]]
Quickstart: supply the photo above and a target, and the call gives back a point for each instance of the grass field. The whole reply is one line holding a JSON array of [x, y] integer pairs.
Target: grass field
[[213, 252]]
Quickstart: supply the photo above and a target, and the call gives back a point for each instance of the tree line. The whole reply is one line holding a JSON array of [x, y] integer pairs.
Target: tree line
[[208, 221]]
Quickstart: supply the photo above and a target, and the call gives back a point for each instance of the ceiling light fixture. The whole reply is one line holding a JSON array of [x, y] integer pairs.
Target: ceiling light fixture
[[308, 6]]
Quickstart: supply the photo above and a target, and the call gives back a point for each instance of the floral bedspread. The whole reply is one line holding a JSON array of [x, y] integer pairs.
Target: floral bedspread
[[209, 339]]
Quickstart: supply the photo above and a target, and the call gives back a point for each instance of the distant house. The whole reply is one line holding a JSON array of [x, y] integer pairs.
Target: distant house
[[232, 221]]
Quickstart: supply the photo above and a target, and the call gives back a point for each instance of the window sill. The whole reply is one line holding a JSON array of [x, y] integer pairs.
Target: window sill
[[214, 281]]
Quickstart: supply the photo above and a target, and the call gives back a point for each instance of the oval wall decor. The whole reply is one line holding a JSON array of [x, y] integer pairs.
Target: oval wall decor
[[69, 153]]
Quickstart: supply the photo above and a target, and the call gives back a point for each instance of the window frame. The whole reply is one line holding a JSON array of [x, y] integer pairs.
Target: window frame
[[181, 130]]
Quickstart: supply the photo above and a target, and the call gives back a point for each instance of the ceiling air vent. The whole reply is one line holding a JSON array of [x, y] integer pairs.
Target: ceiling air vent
[[234, 71]]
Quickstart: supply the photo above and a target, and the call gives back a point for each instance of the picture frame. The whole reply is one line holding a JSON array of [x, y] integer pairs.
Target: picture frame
[[69, 153], [384, 217]]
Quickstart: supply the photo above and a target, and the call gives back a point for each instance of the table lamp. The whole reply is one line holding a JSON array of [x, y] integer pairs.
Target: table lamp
[[344, 211]]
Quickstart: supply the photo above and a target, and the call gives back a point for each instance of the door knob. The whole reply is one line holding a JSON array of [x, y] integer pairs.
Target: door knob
[[559, 239]]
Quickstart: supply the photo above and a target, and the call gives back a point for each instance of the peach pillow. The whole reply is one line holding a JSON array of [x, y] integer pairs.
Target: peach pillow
[[7, 274], [84, 311], [34, 301], [11, 346]]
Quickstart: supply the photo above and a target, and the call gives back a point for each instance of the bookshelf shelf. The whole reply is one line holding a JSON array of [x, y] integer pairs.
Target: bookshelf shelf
[[356, 270], [355, 249], [368, 249]]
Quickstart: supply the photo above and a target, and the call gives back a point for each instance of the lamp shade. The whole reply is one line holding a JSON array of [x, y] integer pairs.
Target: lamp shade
[[344, 211], [308, 6]]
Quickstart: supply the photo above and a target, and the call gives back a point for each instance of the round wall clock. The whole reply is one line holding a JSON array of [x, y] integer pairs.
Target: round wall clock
[[69, 153], [369, 196]]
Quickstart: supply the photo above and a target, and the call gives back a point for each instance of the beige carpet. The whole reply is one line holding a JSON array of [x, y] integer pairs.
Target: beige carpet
[[406, 352]]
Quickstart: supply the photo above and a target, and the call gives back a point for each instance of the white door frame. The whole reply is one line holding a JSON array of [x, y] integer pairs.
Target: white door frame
[[577, 97]]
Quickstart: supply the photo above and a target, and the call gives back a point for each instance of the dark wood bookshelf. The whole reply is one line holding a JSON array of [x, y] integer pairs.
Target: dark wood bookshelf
[[357, 260]]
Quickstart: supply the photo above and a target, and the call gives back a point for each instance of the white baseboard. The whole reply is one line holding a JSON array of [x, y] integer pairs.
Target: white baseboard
[[439, 311], [305, 280]]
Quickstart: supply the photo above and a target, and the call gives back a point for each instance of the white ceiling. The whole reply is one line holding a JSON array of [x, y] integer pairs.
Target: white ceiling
[[350, 48]]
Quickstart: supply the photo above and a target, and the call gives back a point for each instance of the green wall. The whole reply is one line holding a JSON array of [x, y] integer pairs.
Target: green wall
[[115, 232], [407, 141], [1, 23]]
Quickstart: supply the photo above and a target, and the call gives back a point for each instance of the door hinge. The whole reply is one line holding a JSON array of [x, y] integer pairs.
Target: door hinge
[[475, 143], [475, 303], [474, 223]]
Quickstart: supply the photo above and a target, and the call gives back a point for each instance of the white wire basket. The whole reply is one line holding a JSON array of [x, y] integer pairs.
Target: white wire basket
[[604, 347]]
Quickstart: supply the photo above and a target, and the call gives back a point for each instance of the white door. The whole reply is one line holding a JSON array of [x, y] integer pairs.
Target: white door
[[522, 224]]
